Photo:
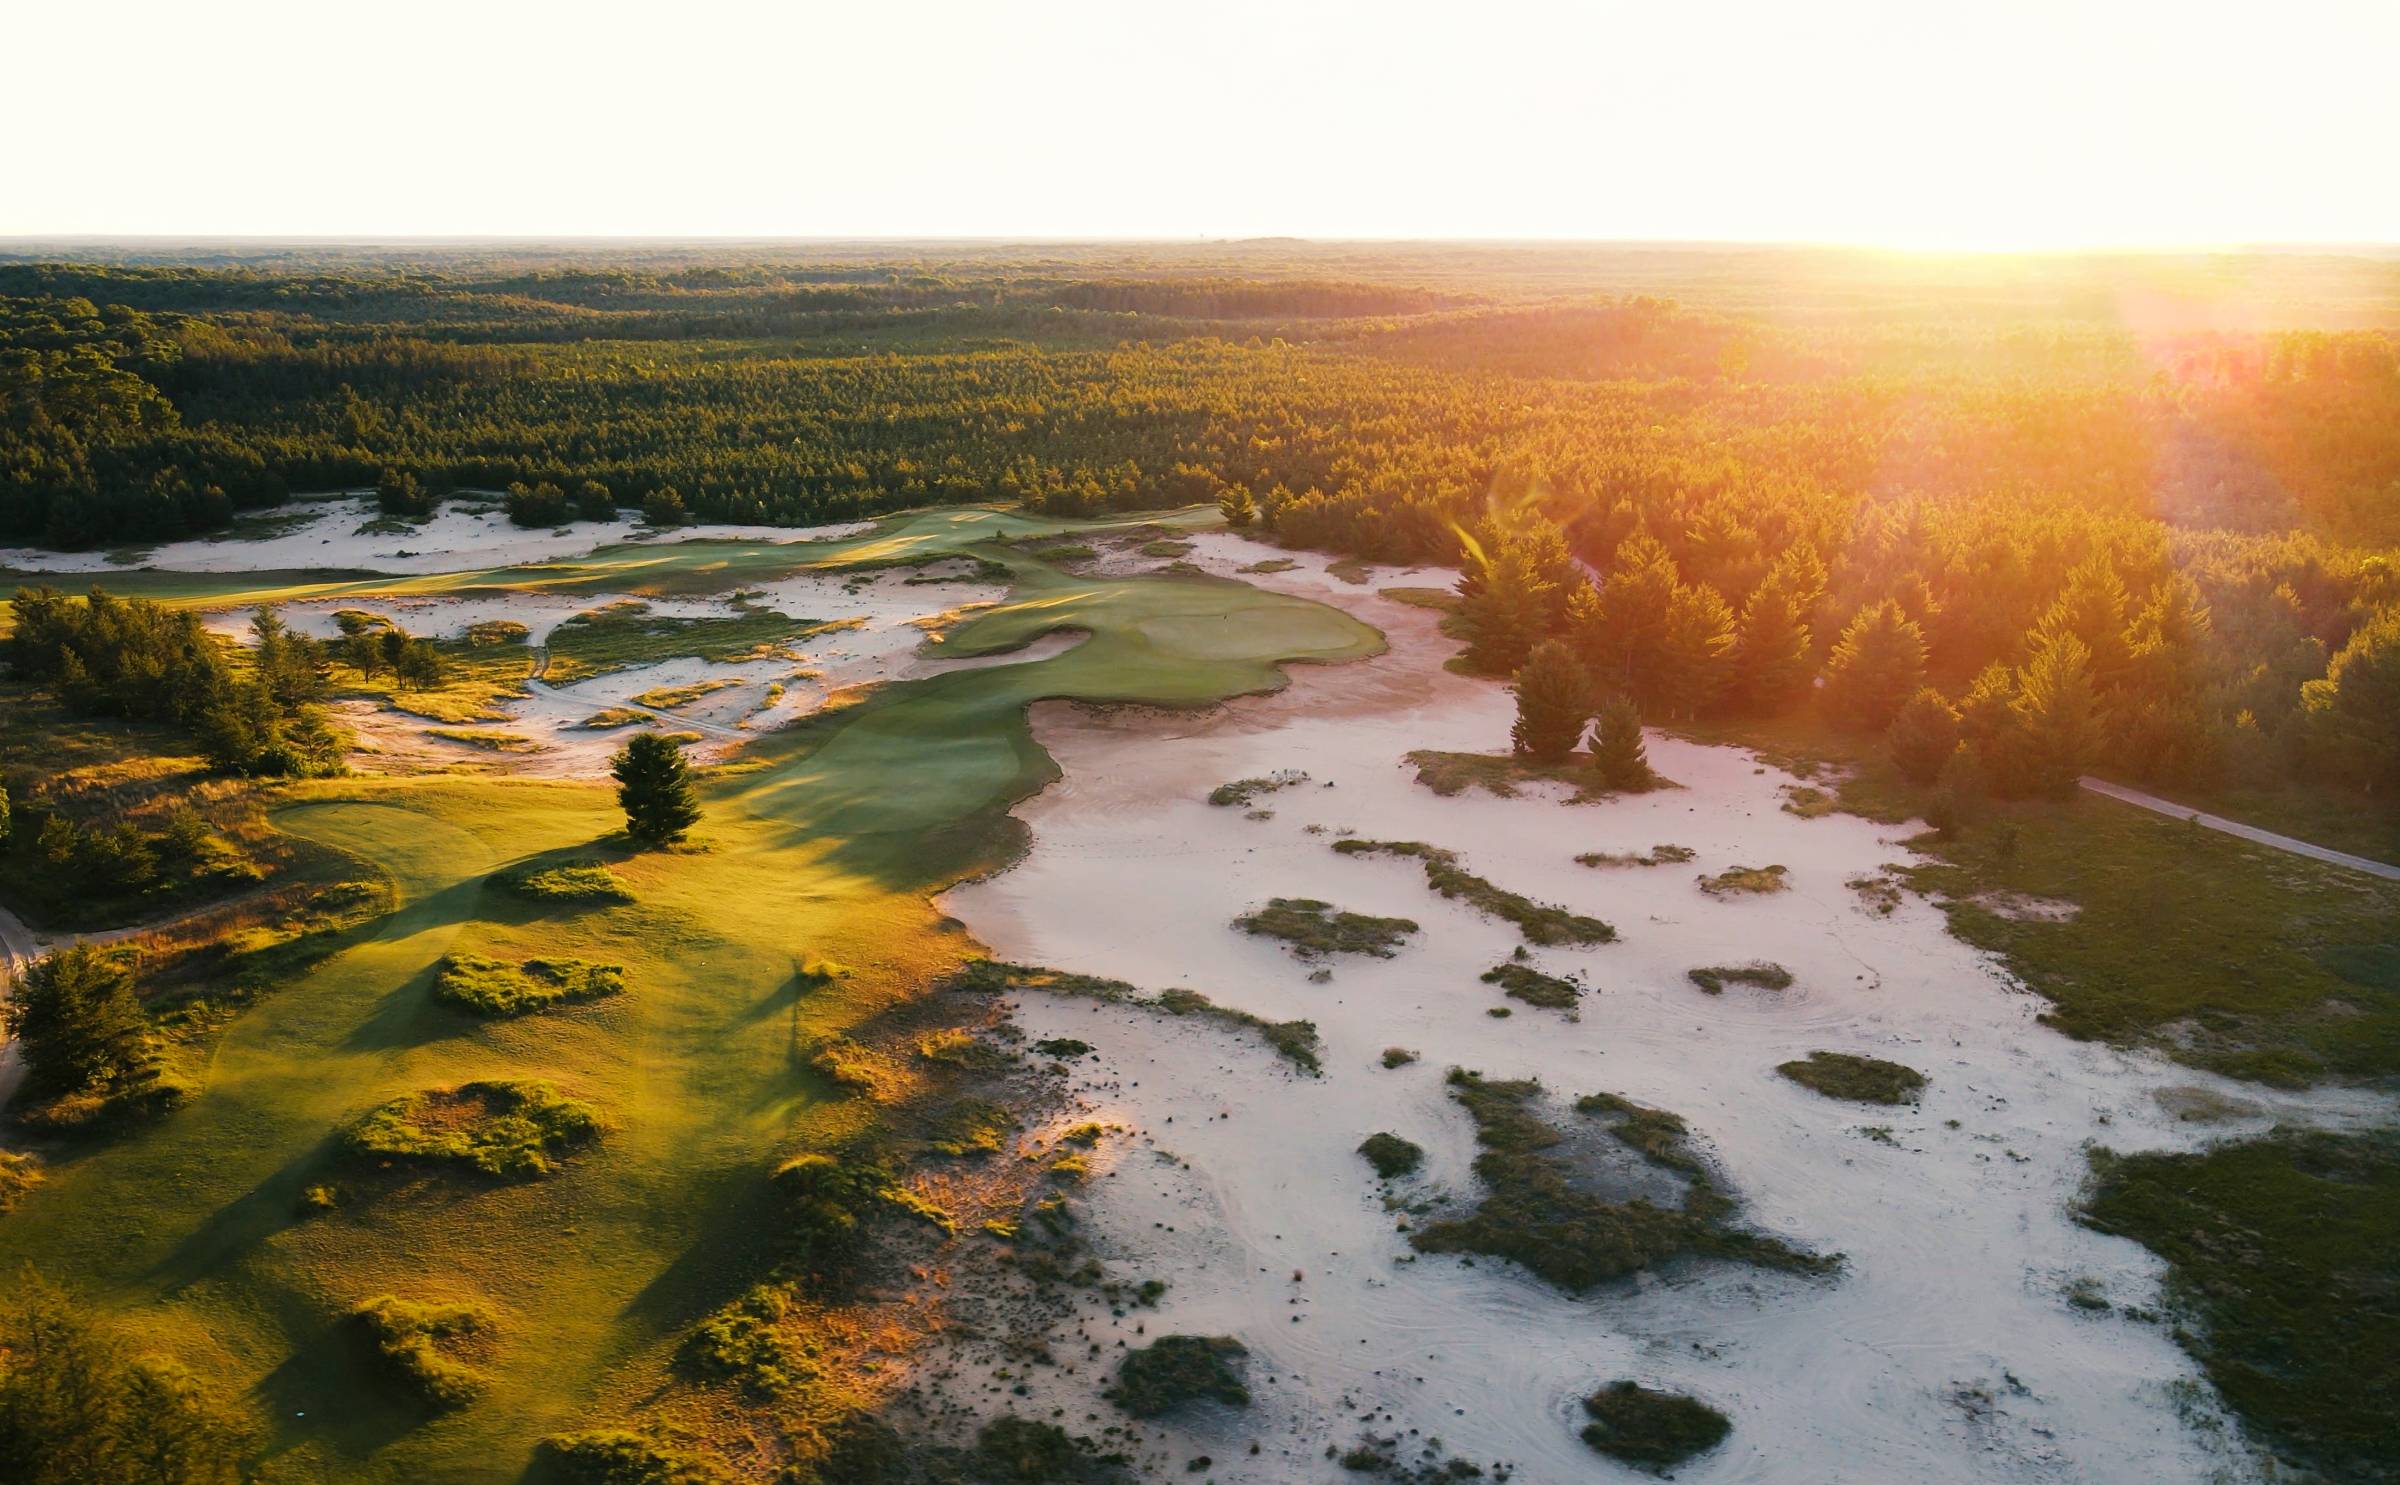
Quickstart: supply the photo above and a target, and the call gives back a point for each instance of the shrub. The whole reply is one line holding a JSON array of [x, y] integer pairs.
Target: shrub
[[743, 1343], [1398, 1057], [1859, 1079], [1313, 928], [512, 1129], [19, 1174], [1753, 880], [619, 1457], [1177, 1369], [489, 987], [407, 1339], [1923, 736], [1524, 982], [1651, 1429], [1716, 977], [1391, 1155], [567, 881], [1243, 791]]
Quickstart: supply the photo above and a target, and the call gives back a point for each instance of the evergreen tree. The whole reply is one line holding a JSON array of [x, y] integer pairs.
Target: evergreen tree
[[1554, 700], [1623, 636], [78, 1020], [664, 507], [2057, 712], [2353, 713], [2091, 608], [1617, 752], [2158, 727], [1506, 615], [1878, 664], [1238, 507], [1695, 652], [1923, 736], [1772, 645], [654, 784]]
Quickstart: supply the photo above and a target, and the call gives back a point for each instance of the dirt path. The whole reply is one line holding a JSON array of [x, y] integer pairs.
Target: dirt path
[[2251, 833], [18, 950]]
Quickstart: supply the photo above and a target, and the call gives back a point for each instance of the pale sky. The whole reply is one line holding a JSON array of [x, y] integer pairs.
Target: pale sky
[[1923, 123]]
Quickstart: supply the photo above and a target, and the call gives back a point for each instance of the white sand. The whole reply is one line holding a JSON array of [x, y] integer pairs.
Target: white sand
[[1946, 1351], [455, 539]]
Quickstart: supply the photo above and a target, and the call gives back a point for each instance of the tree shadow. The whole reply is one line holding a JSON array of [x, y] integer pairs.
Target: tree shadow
[[248, 1220], [331, 1390]]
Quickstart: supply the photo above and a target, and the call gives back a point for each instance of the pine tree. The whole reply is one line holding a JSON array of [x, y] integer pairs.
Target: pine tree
[[2157, 726], [1237, 506], [2057, 713], [78, 1020], [1695, 652], [1506, 615], [1624, 636], [1923, 736], [2091, 607], [654, 784], [1617, 752], [1554, 700], [1772, 645], [1877, 666], [2353, 713]]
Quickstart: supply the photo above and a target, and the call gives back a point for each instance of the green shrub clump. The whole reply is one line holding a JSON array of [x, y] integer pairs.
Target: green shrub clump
[[512, 1129], [1313, 928], [1859, 1079], [408, 1340], [1649, 1428], [568, 881], [617, 1457], [1716, 977], [1524, 982], [489, 987], [1177, 1369], [1391, 1155], [1751, 880]]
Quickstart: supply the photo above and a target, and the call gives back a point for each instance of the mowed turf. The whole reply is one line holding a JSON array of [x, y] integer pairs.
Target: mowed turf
[[823, 848]]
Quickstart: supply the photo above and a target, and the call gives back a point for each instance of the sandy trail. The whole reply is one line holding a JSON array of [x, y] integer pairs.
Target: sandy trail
[[1947, 1350], [2236, 828]]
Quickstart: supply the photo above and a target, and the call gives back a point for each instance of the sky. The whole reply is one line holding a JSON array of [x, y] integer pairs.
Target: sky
[[2000, 124]]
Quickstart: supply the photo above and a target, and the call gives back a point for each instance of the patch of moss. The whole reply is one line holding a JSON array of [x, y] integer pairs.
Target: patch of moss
[[414, 1343], [1738, 880], [1312, 928], [1524, 982], [1391, 1155], [1540, 923], [1179, 1369], [566, 881], [1658, 856], [1243, 791], [1538, 1212], [1714, 978], [1858, 1079], [491, 987], [2281, 1264], [1651, 1429], [513, 1129]]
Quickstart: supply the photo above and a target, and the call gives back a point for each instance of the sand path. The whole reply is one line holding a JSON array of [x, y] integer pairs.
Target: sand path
[[2251, 833]]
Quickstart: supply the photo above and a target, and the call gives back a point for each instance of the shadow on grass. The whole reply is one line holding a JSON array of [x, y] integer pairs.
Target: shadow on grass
[[238, 1227], [331, 1391]]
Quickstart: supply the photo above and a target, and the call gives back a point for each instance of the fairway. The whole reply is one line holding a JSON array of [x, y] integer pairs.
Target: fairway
[[827, 850]]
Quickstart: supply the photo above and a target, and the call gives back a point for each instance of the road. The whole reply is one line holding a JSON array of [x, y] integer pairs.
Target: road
[[2251, 833]]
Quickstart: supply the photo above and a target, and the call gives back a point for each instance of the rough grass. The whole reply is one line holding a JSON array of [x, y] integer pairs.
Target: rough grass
[[492, 987], [414, 1343], [1764, 976], [1524, 982], [1391, 1155], [1737, 881], [1179, 1369], [1658, 856], [668, 698], [621, 1457], [1858, 1079], [609, 718], [1538, 1211], [490, 742], [19, 1174], [1243, 791], [1540, 923], [501, 1128], [623, 635], [566, 881], [1440, 600], [1808, 801], [2282, 1272], [1450, 774], [1312, 928], [1272, 564], [1651, 1429]]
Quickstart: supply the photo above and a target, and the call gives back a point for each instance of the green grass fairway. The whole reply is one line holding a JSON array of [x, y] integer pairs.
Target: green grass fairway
[[826, 847]]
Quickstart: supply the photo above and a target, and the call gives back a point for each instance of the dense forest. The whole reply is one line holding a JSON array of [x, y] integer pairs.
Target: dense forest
[[1716, 495]]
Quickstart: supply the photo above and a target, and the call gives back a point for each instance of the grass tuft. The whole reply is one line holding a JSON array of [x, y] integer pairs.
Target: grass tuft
[[1391, 1155], [1178, 1369], [1752, 880], [568, 881], [1659, 856], [1243, 791], [1539, 922], [1524, 982], [408, 1340], [1651, 1429], [1716, 977], [491, 987], [1858, 1079], [511, 1129], [1312, 928]]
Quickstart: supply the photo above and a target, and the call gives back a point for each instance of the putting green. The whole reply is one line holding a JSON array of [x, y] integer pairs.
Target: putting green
[[826, 847]]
